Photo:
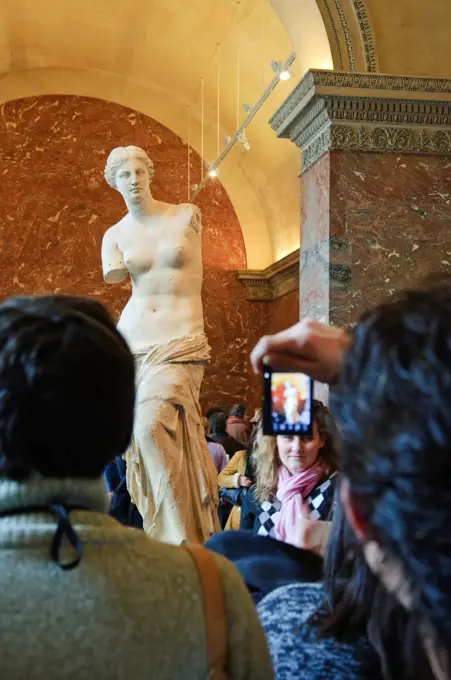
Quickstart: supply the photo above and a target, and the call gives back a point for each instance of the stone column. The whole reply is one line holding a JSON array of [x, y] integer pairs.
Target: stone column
[[375, 186]]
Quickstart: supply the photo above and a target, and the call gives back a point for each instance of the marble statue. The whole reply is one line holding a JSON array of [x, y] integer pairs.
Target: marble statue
[[170, 474], [291, 404]]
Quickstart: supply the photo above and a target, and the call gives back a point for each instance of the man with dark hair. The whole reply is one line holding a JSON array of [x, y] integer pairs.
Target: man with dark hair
[[236, 425], [81, 596], [218, 432], [211, 411]]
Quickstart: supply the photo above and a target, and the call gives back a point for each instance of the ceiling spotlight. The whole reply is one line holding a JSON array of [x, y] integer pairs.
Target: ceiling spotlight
[[227, 140], [244, 140], [213, 173], [248, 108], [284, 74]]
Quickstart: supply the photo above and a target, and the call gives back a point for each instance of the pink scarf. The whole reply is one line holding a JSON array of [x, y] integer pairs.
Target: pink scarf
[[292, 490]]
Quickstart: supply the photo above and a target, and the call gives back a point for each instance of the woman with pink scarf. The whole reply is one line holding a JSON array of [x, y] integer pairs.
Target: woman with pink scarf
[[292, 500]]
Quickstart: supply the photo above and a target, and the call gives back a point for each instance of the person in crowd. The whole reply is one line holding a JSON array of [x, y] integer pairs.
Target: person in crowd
[[112, 476], [81, 595], [347, 628], [236, 425], [121, 506], [392, 398], [213, 409], [264, 561], [233, 486], [218, 433], [255, 420], [236, 479], [296, 479], [217, 452]]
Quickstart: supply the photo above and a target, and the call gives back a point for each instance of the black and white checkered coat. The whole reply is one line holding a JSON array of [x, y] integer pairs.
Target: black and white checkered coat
[[260, 517]]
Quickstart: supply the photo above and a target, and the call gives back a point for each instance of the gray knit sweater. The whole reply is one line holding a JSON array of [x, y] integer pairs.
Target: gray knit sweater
[[296, 652], [132, 610]]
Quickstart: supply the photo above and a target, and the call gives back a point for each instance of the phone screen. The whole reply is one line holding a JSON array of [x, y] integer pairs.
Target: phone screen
[[287, 403]]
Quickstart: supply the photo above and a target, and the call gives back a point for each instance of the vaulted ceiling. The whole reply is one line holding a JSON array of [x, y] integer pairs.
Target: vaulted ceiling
[[152, 54]]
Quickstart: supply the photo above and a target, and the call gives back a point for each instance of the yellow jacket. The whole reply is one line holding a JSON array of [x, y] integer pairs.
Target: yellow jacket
[[228, 479]]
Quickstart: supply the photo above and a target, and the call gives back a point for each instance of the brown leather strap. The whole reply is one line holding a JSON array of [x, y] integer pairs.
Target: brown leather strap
[[214, 611]]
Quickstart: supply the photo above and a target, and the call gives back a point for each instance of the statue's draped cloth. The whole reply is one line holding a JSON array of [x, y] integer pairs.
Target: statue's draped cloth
[[170, 474]]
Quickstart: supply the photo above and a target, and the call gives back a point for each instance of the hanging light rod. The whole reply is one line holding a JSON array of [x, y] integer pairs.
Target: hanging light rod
[[240, 133], [282, 72]]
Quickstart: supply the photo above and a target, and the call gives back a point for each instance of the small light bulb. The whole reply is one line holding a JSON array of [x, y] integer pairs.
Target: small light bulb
[[213, 173], [285, 75]]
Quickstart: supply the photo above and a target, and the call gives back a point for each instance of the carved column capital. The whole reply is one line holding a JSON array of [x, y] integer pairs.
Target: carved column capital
[[331, 110]]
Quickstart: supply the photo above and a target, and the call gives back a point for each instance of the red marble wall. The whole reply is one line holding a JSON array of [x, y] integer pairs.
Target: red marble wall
[[283, 312], [371, 224], [391, 218], [55, 207], [314, 265]]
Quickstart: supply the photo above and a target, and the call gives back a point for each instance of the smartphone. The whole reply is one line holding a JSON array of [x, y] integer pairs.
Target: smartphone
[[287, 403]]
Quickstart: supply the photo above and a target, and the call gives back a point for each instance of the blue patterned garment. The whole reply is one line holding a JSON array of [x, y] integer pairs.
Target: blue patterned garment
[[296, 652]]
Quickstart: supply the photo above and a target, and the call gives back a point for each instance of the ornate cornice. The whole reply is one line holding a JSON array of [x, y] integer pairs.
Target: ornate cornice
[[280, 278], [331, 110]]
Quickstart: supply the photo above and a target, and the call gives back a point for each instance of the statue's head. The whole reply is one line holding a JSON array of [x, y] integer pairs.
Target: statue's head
[[130, 171]]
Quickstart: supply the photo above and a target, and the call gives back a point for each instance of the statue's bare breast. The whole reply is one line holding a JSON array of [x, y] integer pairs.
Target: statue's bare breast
[[163, 256]]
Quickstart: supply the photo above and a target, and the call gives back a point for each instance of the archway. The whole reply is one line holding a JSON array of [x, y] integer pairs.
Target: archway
[[330, 33], [149, 56]]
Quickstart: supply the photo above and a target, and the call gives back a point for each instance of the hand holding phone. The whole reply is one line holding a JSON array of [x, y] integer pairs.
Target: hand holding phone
[[309, 346]]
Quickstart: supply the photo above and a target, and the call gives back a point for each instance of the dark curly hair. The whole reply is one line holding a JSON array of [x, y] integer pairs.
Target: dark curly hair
[[66, 388], [393, 408]]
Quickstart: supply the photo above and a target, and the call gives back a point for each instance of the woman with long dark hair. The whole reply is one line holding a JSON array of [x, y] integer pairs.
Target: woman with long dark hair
[[347, 628]]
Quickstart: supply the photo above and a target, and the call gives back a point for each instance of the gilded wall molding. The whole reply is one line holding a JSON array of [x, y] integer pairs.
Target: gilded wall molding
[[401, 139], [332, 33], [346, 34], [268, 284], [366, 32], [328, 111], [351, 35]]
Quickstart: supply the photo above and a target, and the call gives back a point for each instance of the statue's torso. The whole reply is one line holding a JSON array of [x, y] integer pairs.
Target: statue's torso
[[163, 256]]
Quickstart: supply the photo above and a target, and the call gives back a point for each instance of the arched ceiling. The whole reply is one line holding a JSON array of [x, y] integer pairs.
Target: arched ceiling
[[412, 36], [151, 56]]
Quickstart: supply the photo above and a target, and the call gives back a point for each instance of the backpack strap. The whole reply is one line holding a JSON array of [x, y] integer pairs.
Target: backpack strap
[[214, 611]]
